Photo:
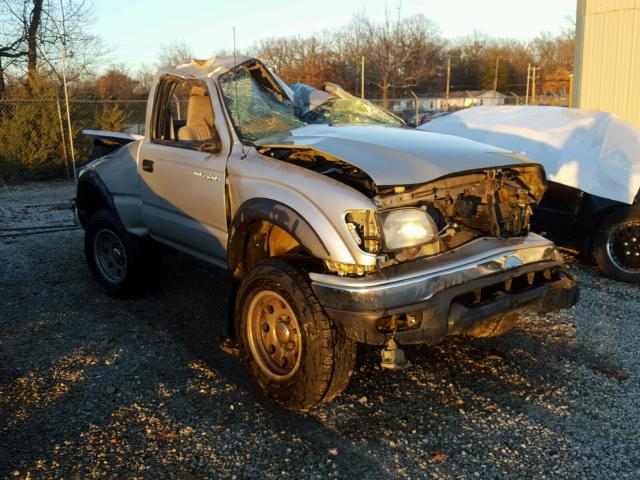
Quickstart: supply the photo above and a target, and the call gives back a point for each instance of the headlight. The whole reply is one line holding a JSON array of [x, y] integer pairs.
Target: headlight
[[407, 227]]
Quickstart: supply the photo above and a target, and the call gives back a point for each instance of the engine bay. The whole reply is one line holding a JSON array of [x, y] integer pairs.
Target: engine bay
[[493, 202]]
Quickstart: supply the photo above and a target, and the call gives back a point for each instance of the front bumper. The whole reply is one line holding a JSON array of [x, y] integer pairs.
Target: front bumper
[[504, 277]]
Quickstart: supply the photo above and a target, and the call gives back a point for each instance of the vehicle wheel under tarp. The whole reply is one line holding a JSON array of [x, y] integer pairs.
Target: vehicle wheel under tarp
[[617, 245]]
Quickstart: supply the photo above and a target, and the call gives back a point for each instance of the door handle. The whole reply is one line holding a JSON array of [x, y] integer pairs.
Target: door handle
[[147, 165]]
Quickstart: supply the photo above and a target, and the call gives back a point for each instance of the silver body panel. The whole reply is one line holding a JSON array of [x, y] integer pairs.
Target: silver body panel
[[320, 200], [119, 172]]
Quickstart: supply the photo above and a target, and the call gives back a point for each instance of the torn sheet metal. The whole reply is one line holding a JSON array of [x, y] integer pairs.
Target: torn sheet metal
[[592, 151], [308, 98]]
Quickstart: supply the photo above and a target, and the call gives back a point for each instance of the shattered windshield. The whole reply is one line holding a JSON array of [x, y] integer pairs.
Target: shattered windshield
[[349, 111], [259, 108]]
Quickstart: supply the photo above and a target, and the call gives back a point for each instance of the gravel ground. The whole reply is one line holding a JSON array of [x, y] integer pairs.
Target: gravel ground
[[91, 386]]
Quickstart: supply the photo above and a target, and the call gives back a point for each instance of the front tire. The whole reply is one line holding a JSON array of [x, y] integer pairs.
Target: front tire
[[291, 348], [617, 245], [118, 261]]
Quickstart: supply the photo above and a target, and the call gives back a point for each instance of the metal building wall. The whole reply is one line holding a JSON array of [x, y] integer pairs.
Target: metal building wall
[[607, 58]]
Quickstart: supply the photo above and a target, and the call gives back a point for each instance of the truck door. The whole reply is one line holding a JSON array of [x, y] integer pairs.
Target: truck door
[[182, 167]]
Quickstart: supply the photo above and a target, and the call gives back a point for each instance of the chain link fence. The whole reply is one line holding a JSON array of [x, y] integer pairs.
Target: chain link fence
[[35, 140], [418, 111]]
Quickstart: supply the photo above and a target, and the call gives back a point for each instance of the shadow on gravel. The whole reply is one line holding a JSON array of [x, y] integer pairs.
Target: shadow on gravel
[[144, 371], [121, 386]]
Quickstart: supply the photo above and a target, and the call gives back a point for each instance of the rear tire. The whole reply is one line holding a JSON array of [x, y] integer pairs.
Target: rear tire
[[292, 349], [119, 262], [616, 246]]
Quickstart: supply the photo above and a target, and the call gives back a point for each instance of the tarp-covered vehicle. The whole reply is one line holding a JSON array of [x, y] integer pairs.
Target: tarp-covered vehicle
[[592, 161], [339, 223]]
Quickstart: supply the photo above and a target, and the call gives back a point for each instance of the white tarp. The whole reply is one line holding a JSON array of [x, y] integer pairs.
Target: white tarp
[[595, 152]]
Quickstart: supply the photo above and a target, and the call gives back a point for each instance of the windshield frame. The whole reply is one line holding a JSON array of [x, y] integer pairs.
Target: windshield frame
[[228, 111], [277, 87]]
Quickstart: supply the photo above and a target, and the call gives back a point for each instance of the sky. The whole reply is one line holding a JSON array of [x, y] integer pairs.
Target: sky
[[135, 29]]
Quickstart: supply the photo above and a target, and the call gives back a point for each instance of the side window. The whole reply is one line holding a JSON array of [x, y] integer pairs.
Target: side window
[[182, 114]]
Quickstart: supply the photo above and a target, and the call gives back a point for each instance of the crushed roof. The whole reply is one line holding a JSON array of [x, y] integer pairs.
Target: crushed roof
[[202, 69]]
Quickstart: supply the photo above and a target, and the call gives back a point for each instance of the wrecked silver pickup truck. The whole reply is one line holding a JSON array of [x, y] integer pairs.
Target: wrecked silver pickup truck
[[339, 223]]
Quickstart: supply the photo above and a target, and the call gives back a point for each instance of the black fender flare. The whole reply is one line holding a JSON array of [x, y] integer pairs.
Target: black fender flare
[[89, 185], [621, 209], [594, 213], [279, 214]]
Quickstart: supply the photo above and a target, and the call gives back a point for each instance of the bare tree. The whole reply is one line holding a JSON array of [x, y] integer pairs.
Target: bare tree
[[399, 54], [474, 63], [40, 31], [66, 31], [22, 19], [308, 60], [175, 53], [116, 83], [13, 36], [32, 27], [144, 78]]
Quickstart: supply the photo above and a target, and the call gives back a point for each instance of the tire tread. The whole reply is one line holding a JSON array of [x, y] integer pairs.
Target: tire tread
[[337, 359]]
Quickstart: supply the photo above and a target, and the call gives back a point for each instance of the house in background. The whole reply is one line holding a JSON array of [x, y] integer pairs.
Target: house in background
[[456, 100], [474, 98]]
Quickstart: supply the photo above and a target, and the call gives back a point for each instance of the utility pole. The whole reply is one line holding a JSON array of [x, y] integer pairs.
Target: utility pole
[[495, 77], [66, 101], [362, 78], [62, 136], [63, 51], [571, 90], [526, 97], [417, 106], [533, 86], [448, 77]]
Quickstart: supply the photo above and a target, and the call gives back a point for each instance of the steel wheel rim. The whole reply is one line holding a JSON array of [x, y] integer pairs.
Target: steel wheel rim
[[110, 256], [274, 335], [623, 247]]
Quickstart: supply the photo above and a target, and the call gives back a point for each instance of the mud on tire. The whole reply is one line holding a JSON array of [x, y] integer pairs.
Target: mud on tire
[[321, 369]]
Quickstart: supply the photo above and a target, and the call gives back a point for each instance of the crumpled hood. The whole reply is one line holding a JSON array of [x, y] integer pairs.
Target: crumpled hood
[[398, 156]]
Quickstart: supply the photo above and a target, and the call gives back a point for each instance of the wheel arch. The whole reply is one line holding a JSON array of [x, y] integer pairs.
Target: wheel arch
[[601, 217], [92, 195], [252, 230]]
